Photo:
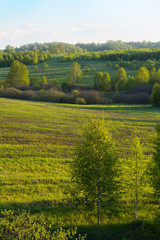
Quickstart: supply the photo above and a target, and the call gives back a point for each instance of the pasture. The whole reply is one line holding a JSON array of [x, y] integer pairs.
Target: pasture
[[37, 143], [60, 70]]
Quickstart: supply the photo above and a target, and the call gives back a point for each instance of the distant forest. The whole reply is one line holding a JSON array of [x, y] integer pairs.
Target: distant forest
[[61, 47]]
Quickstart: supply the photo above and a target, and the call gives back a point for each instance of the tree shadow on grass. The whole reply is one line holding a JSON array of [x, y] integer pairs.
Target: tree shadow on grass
[[136, 230]]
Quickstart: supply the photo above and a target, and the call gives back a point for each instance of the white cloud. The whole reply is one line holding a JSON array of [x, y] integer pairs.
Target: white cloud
[[18, 33], [97, 26], [77, 29], [3, 35], [27, 26]]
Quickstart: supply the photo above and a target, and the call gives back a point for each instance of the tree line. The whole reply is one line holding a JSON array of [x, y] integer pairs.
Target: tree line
[[103, 83], [117, 45], [8, 56], [113, 55]]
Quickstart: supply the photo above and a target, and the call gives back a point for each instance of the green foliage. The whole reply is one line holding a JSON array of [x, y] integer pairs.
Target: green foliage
[[18, 75], [55, 83], [142, 76], [80, 101], [134, 173], [35, 82], [121, 79], [94, 167], [75, 74], [131, 83], [102, 82], [44, 81], [155, 95], [27, 227], [152, 76], [158, 76], [156, 164], [45, 66]]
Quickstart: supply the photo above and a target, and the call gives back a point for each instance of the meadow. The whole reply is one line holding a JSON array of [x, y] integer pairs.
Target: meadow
[[60, 70], [37, 143]]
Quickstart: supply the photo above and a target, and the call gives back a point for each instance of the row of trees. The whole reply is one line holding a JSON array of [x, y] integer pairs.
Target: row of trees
[[116, 45], [97, 175], [27, 57], [102, 81], [113, 55]]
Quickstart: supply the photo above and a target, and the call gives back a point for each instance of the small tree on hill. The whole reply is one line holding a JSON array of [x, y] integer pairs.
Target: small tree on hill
[[75, 74], [94, 168], [18, 75], [44, 81], [152, 75], [121, 79], [142, 76]]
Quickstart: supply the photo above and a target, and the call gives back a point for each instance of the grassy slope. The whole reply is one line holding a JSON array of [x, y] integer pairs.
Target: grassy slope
[[60, 70], [37, 141]]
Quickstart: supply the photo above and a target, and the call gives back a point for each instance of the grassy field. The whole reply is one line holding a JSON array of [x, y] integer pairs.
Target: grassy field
[[37, 142], [60, 70]]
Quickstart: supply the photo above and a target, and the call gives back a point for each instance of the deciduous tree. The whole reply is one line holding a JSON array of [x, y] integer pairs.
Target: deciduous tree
[[94, 168], [75, 75], [18, 75]]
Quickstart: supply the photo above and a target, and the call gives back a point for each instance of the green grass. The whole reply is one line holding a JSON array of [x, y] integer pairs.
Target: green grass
[[37, 142], [60, 70]]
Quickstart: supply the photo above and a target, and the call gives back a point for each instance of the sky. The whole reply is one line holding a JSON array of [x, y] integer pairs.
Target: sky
[[73, 21]]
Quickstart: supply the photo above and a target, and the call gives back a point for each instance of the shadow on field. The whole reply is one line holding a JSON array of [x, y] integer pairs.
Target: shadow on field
[[136, 230], [116, 107], [128, 231]]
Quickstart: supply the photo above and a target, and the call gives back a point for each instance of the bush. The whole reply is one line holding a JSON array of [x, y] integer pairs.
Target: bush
[[51, 95], [27, 227], [137, 98], [29, 95], [12, 93], [80, 101], [87, 69]]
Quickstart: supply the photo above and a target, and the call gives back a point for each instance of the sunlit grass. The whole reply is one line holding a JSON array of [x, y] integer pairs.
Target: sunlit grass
[[37, 142]]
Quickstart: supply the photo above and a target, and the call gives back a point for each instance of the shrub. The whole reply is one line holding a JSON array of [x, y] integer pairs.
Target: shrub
[[12, 93], [51, 95], [27, 227], [87, 69], [80, 101], [29, 95]]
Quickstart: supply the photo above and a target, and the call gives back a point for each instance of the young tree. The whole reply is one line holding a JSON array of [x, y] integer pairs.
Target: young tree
[[18, 75], [134, 174], [94, 169], [121, 79], [106, 82], [75, 75], [156, 164], [142, 76], [98, 80], [44, 81], [152, 75]]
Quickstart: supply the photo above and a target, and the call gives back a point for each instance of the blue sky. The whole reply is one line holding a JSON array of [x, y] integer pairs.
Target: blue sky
[[29, 21]]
